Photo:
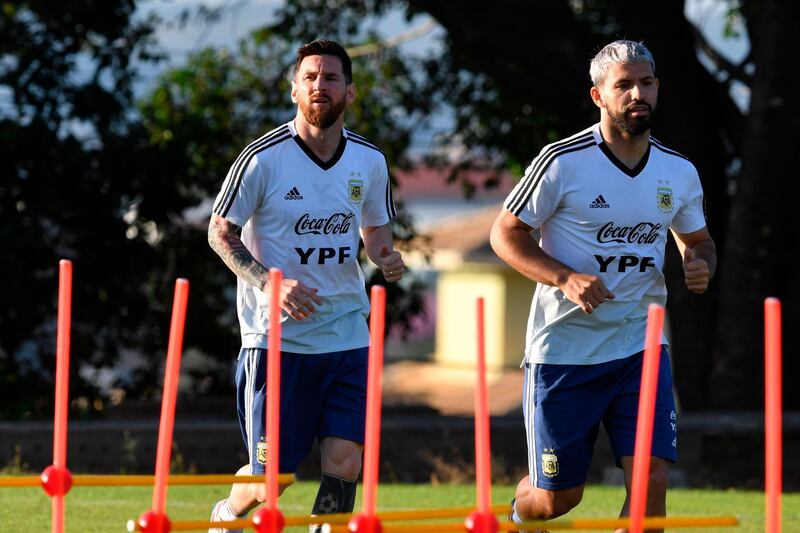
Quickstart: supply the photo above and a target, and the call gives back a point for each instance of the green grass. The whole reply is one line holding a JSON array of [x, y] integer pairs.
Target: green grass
[[106, 510]]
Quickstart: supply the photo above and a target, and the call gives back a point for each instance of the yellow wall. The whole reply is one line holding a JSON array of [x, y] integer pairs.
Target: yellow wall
[[507, 297]]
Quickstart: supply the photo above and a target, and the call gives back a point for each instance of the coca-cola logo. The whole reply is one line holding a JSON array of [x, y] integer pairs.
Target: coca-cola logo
[[336, 224], [641, 233]]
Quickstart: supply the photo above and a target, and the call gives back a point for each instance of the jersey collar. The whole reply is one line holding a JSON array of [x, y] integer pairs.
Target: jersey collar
[[324, 165], [631, 172]]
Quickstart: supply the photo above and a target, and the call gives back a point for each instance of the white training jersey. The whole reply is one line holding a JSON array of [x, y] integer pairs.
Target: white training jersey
[[303, 216], [599, 217]]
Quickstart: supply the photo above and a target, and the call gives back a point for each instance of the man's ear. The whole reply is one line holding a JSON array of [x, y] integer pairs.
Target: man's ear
[[351, 93], [294, 92], [597, 98]]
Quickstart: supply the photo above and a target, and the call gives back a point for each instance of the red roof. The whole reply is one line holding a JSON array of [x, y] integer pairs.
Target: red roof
[[425, 181]]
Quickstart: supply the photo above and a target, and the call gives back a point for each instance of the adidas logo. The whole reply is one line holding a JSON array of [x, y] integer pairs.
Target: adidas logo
[[599, 203], [293, 194]]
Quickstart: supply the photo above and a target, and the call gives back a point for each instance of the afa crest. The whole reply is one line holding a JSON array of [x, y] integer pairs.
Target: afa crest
[[549, 463], [355, 191], [664, 199], [261, 452]]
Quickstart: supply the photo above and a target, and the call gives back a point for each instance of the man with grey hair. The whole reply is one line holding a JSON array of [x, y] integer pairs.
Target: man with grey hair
[[601, 203]]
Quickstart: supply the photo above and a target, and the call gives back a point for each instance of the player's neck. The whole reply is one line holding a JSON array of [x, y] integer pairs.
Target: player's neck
[[322, 141], [626, 147]]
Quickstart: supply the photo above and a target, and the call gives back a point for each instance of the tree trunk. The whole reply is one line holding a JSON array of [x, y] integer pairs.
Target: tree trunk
[[763, 238]]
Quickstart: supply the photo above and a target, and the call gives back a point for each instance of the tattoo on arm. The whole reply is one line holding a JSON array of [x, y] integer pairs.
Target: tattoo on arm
[[223, 237]]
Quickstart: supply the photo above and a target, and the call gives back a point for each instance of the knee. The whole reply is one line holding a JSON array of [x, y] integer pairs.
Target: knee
[[341, 459], [560, 502], [540, 504], [257, 492]]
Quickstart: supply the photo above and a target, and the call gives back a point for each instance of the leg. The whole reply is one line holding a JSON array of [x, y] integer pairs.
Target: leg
[[341, 433], [620, 423], [340, 457], [341, 463], [246, 496], [656, 489], [251, 398], [560, 437], [532, 503]]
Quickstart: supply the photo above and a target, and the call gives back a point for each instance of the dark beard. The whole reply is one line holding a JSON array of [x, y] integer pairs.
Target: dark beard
[[324, 118], [632, 125]]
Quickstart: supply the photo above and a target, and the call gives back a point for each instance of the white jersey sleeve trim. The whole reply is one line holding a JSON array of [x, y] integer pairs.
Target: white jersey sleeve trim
[[237, 171], [522, 192]]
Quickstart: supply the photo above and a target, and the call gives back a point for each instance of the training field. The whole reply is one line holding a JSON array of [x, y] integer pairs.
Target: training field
[[106, 509]]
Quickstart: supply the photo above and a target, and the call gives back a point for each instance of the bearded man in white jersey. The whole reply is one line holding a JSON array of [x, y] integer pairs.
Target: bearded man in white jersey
[[602, 202], [296, 199]]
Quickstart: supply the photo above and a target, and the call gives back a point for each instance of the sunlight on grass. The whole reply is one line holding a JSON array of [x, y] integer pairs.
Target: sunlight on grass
[[106, 510]]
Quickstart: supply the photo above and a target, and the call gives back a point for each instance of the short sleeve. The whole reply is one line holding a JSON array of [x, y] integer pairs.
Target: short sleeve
[[378, 207], [691, 215], [241, 191], [538, 194]]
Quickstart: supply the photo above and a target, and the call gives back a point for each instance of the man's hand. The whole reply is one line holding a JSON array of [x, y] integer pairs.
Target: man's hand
[[585, 290], [695, 271], [298, 299], [391, 264]]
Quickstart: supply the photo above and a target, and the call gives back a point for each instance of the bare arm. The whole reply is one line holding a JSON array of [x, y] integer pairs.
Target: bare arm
[[511, 240], [379, 245], [223, 236], [699, 258]]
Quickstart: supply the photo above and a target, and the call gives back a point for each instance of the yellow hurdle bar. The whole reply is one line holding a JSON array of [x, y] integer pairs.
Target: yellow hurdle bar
[[339, 522], [130, 481], [612, 523], [584, 524], [335, 519]]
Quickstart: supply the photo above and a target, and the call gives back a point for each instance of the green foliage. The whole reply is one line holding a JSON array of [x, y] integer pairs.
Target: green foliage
[[121, 187], [66, 77], [104, 181], [201, 115]]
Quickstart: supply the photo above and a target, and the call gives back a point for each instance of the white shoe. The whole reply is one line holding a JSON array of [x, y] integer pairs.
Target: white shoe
[[216, 518]]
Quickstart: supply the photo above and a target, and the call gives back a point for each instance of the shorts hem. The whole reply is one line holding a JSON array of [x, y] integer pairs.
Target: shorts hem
[[358, 439], [559, 486], [261, 471]]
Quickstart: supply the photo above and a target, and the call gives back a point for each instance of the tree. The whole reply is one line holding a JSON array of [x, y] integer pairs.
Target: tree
[[717, 337], [66, 75], [113, 185], [202, 114], [516, 75], [762, 238]]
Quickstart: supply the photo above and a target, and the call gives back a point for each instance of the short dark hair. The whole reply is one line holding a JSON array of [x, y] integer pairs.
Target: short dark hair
[[325, 47]]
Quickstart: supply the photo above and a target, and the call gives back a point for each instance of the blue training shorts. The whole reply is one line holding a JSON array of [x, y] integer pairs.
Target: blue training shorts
[[322, 395], [564, 405]]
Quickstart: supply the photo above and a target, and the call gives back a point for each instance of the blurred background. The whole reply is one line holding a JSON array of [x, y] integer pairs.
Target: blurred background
[[119, 120]]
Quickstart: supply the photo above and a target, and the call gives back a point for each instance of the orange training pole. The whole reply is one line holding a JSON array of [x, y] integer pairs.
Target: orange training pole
[[269, 519], [367, 521], [156, 521], [482, 520], [644, 425], [772, 415], [483, 467], [56, 479]]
